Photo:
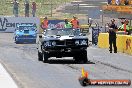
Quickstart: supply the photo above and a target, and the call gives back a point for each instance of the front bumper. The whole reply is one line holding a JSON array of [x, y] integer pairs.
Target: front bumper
[[23, 40], [65, 50]]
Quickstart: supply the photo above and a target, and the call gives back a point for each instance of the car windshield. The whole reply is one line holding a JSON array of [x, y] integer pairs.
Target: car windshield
[[26, 28], [62, 32]]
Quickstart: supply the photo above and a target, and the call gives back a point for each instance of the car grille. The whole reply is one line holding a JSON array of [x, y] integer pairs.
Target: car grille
[[60, 42], [26, 36], [26, 31], [70, 42], [65, 42]]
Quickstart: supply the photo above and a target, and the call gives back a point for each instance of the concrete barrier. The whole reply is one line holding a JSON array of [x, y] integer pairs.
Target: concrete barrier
[[124, 42]]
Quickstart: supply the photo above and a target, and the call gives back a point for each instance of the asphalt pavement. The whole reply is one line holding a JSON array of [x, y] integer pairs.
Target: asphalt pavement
[[20, 60]]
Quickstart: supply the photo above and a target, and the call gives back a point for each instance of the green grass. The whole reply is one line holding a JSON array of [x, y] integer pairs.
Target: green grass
[[43, 7]]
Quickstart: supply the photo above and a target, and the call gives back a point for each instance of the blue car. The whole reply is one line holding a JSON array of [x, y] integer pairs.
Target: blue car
[[25, 34]]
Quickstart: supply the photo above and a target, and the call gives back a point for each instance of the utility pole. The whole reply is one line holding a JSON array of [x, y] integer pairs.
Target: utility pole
[[51, 7], [102, 17]]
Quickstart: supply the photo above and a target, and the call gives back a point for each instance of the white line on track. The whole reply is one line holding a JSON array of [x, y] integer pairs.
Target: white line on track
[[5, 79]]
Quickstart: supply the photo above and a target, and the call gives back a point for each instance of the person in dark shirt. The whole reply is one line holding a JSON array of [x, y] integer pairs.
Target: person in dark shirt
[[15, 8], [112, 36], [26, 9], [33, 8]]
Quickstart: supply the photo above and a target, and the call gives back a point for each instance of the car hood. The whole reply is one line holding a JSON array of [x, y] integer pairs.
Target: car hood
[[22, 33], [64, 37]]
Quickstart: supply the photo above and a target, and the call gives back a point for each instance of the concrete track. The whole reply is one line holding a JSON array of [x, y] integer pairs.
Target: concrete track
[[21, 62]]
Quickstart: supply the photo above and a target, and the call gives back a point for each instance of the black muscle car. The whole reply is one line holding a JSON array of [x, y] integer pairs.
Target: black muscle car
[[63, 43]]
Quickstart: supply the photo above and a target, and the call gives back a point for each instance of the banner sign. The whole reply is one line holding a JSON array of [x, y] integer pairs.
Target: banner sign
[[9, 24], [53, 23], [56, 24], [95, 34]]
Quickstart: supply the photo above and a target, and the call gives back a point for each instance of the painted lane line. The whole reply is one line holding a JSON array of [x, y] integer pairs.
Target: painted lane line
[[5, 79]]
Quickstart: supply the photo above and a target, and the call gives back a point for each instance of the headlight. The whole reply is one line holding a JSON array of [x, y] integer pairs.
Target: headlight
[[77, 42], [47, 43], [53, 43], [83, 42], [34, 35]]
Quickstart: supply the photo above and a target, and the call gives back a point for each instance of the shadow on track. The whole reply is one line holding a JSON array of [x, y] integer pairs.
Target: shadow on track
[[64, 61]]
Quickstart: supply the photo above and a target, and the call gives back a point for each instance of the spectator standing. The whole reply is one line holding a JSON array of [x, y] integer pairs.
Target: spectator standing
[[26, 9], [117, 2], [126, 2], [15, 8], [125, 27], [33, 8]]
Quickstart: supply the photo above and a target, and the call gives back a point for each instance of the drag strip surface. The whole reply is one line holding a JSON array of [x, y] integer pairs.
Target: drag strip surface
[[21, 62]]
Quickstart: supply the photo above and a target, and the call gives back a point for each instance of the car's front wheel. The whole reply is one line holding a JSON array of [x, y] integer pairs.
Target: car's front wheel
[[40, 56], [46, 56]]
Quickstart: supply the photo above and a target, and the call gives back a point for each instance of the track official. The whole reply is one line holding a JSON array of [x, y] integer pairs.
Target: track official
[[44, 24], [75, 22], [67, 24], [112, 36]]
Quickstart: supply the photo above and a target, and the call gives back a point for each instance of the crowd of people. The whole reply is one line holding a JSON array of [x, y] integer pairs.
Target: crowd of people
[[119, 2], [125, 27], [26, 5], [74, 23]]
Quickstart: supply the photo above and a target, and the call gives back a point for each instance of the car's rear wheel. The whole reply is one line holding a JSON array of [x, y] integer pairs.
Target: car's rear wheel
[[40, 56], [17, 42], [46, 56]]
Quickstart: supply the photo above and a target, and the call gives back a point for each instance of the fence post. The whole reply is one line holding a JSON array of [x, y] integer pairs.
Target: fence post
[[51, 7], [78, 7]]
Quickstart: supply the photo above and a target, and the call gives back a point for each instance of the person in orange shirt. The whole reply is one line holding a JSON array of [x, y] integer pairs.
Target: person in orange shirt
[[75, 22], [44, 24]]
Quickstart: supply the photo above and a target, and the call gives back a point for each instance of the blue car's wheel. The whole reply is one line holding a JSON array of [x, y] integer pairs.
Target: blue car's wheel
[[16, 41]]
